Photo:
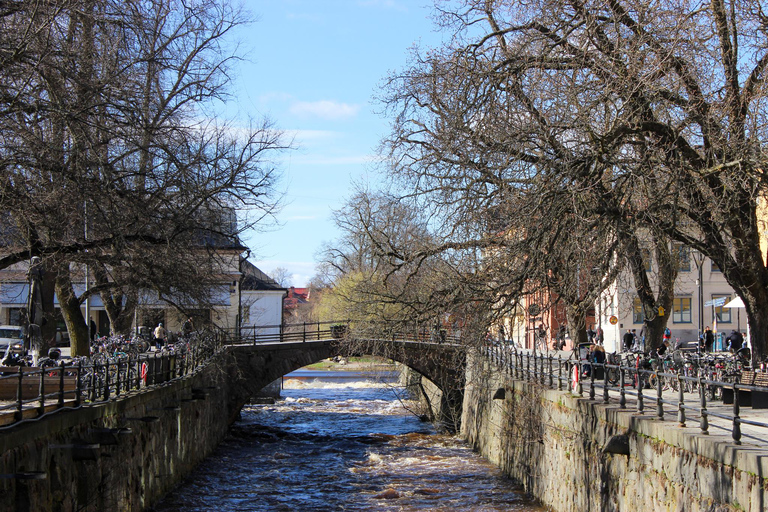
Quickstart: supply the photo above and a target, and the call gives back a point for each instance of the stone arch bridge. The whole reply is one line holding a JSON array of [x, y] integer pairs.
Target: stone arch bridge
[[255, 365]]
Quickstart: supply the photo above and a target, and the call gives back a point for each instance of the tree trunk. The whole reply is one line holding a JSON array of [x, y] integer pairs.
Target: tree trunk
[[577, 324], [73, 315]]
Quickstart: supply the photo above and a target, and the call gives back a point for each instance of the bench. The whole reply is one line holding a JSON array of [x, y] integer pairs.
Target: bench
[[749, 398], [30, 384]]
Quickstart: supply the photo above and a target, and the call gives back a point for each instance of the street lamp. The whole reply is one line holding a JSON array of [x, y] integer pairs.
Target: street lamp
[[698, 258]]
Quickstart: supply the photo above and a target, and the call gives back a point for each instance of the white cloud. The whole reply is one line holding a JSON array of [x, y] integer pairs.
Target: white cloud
[[325, 109], [384, 4]]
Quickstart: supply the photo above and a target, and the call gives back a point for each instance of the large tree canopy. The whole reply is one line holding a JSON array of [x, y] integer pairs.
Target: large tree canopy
[[110, 151], [645, 118]]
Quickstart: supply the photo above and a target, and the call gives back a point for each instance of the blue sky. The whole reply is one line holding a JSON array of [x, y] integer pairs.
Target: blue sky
[[314, 66]]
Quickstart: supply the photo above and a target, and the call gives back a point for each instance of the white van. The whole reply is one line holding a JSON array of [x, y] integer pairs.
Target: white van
[[9, 334]]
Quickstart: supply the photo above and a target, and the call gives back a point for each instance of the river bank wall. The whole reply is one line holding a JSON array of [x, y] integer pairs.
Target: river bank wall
[[122, 455], [573, 454]]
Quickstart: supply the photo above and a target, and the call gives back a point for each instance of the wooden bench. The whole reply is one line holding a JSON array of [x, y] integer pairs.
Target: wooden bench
[[747, 397], [30, 384]]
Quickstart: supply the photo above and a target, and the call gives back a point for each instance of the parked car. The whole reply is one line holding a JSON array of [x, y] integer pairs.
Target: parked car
[[9, 334]]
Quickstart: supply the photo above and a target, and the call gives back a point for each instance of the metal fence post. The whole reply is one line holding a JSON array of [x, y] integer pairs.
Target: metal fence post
[[704, 422], [42, 391], [61, 384], [622, 393], [549, 358], [659, 405], [78, 382], [680, 402], [736, 419], [592, 381], [639, 379], [605, 383], [19, 395]]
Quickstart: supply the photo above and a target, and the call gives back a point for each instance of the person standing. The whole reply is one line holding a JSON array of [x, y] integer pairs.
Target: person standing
[[627, 340], [735, 341], [159, 334], [188, 327], [709, 339]]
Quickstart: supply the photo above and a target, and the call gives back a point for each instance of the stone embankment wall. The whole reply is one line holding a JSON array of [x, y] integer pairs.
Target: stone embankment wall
[[574, 454], [122, 455]]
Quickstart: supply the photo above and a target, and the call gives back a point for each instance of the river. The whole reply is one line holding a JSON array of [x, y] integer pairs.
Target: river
[[342, 441]]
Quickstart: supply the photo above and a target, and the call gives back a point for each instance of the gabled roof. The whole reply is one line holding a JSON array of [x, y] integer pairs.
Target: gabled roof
[[255, 279]]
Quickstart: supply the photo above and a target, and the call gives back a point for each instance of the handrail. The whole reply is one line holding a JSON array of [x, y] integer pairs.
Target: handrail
[[41, 391], [633, 382]]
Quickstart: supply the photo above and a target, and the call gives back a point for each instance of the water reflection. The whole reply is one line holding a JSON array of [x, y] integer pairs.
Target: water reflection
[[342, 446]]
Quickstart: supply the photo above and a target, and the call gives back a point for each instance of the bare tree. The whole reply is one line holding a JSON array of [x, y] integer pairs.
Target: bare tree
[[653, 113], [111, 157], [282, 276]]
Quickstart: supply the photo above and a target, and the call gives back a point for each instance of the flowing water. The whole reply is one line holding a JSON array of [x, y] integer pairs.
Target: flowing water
[[342, 442]]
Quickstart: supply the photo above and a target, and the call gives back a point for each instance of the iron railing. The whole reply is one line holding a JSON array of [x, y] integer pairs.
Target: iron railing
[[30, 393], [620, 383]]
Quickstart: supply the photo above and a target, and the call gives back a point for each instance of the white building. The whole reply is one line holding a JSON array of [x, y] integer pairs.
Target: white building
[[261, 302], [700, 293]]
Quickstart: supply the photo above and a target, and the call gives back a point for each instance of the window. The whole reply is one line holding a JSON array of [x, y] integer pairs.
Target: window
[[637, 311], [683, 254], [722, 314], [647, 259], [715, 267], [681, 310]]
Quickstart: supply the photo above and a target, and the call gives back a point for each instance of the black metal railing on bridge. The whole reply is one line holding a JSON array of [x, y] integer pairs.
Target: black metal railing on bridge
[[686, 394], [328, 330]]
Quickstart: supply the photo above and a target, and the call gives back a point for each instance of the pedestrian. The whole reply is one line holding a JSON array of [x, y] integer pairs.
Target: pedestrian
[[627, 341], [187, 327], [94, 330], [590, 334], [159, 334], [709, 339], [599, 336], [735, 340], [667, 334], [560, 340]]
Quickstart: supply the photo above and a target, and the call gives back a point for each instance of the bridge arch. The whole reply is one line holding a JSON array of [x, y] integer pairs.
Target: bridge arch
[[254, 367]]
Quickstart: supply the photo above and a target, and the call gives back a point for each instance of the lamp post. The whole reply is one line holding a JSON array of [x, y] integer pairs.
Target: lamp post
[[698, 258]]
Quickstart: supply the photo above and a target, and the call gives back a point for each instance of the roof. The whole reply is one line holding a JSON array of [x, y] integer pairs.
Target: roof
[[255, 279]]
